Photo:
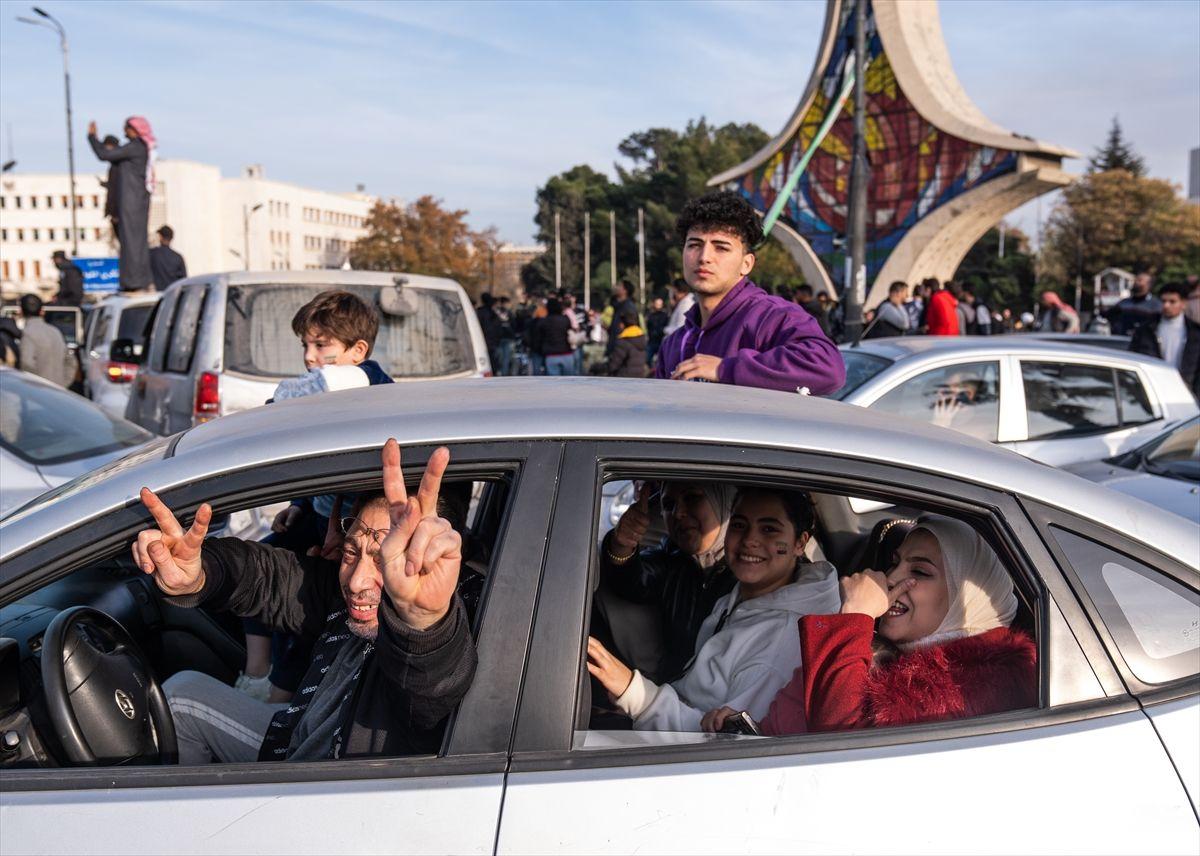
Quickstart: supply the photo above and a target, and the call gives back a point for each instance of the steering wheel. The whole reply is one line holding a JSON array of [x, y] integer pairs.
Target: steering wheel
[[102, 698]]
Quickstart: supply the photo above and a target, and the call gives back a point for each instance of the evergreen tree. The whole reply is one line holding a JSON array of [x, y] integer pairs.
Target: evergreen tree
[[1117, 153]]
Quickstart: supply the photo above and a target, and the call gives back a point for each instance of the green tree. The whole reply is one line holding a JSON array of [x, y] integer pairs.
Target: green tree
[[1117, 153], [1116, 219], [664, 170], [1000, 282], [425, 238]]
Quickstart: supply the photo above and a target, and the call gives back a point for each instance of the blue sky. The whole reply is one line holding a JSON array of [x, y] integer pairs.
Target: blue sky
[[478, 103]]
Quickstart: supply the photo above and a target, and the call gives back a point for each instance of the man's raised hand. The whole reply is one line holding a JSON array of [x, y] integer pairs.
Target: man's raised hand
[[421, 554], [168, 553]]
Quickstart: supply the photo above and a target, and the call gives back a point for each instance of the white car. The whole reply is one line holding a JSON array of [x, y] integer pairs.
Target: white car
[[120, 319], [1054, 401], [1108, 761], [49, 436]]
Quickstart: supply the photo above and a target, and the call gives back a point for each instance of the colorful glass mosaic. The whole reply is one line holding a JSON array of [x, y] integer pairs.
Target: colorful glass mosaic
[[914, 167]]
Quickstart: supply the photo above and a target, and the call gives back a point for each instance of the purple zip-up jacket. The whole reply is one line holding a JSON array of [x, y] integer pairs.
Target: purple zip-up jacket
[[762, 341]]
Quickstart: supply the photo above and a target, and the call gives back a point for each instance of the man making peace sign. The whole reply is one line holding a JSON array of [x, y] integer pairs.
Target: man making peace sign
[[394, 656]]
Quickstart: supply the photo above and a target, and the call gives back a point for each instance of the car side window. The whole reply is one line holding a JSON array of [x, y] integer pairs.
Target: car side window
[[185, 328], [1136, 408], [965, 397], [1065, 399], [98, 329], [161, 327], [1154, 621]]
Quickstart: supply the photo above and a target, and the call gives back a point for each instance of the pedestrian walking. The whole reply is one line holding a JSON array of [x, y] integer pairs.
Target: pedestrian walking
[[70, 281], [134, 163], [1172, 336], [737, 333], [1057, 317], [1137, 309], [656, 326], [43, 349], [166, 265], [551, 339], [941, 316]]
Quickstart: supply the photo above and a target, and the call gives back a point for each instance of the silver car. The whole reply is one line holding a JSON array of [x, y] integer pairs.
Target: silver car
[[118, 320], [1054, 401], [1106, 761], [1164, 472], [49, 436], [220, 343]]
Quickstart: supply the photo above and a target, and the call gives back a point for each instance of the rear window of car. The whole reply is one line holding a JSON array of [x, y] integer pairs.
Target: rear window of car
[[133, 322], [433, 341], [45, 425], [860, 368]]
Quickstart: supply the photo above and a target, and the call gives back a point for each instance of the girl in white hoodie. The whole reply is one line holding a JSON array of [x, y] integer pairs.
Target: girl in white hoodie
[[747, 648]]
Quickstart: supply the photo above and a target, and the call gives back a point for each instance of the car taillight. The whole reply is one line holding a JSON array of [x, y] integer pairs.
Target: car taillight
[[208, 398], [120, 372]]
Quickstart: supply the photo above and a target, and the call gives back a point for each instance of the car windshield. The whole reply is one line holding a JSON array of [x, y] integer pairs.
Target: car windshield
[[1178, 454], [43, 424], [432, 340], [860, 368]]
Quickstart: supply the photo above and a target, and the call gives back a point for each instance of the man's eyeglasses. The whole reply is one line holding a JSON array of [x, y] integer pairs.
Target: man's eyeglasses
[[351, 526]]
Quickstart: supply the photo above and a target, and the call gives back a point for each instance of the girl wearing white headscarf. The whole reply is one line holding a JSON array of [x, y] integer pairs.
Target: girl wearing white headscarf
[[946, 606]]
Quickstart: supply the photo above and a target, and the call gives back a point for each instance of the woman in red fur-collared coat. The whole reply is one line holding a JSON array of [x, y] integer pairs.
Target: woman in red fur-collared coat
[[946, 606]]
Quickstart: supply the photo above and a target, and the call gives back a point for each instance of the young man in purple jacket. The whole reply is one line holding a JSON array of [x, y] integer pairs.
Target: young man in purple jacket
[[737, 333]]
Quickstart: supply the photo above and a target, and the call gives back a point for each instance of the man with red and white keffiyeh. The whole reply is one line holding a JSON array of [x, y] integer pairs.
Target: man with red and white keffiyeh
[[133, 164]]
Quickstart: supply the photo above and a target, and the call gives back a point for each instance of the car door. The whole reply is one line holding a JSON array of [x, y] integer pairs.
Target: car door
[[445, 804], [146, 400], [1084, 772], [1078, 411]]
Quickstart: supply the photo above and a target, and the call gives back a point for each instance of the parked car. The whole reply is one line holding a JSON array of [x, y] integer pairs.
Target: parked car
[[221, 343], [107, 381], [1109, 588], [48, 436], [1059, 403], [1164, 472]]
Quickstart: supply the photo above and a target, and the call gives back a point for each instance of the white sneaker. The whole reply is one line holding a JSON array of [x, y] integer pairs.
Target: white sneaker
[[258, 688]]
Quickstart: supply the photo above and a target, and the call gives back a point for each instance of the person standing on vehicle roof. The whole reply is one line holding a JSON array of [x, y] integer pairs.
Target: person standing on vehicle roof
[[70, 280], [737, 333], [134, 173]]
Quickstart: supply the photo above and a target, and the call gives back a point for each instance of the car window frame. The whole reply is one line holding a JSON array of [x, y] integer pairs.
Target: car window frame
[[545, 732], [473, 745], [1017, 392], [184, 293], [1045, 517], [164, 313]]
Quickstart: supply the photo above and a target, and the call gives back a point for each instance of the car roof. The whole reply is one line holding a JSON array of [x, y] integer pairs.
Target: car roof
[[905, 347], [328, 278], [451, 411]]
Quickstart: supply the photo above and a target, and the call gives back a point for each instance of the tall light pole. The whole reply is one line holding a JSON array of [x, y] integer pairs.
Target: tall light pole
[[612, 249], [246, 212], [641, 258], [853, 294], [557, 255], [53, 24], [587, 260]]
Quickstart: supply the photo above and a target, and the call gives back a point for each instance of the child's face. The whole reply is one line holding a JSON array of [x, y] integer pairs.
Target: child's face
[[322, 349]]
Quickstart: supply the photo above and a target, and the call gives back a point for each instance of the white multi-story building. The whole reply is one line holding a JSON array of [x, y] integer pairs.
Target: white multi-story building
[[220, 224]]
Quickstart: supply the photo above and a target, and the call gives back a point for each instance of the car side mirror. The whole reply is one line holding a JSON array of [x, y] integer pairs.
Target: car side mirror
[[393, 301], [125, 351]]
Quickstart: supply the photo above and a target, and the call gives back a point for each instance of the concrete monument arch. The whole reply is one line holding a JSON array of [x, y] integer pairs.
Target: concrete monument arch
[[941, 173]]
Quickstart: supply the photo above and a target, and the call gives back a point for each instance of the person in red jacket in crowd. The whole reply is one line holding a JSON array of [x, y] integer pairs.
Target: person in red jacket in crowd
[[941, 312], [944, 647]]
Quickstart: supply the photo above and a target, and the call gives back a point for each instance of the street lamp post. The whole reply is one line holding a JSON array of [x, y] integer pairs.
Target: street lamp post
[[246, 212], [62, 37]]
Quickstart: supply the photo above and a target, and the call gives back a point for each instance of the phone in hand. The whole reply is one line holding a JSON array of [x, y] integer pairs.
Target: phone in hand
[[740, 723]]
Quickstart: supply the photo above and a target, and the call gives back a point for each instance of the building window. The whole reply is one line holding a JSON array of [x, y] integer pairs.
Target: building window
[[3, 234], [3, 201], [65, 203], [49, 234], [36, 236], [49, 201], [97, 231], [20, 270], [33, 202], [95, 201], [17, 201], [4, 270], [37, 269], [20, 234]]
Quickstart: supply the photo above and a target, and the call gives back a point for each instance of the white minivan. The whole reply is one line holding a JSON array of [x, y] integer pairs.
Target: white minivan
[[220, 343]]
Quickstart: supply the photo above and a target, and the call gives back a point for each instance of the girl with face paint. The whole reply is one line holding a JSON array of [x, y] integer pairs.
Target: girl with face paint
[[747, 646], [947, 605]]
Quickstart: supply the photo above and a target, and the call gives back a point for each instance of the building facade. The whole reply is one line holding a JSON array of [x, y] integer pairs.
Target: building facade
[[242, 223], [506, 269]]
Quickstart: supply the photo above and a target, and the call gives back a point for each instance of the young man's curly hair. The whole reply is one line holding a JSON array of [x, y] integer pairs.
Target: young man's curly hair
[[722, 211], [341, 315]]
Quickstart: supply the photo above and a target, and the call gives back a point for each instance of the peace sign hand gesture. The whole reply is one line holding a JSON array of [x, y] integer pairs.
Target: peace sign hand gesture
[[421, 554], [168, 553]]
